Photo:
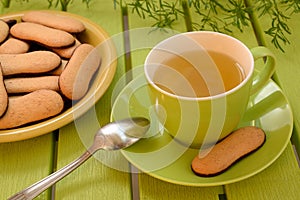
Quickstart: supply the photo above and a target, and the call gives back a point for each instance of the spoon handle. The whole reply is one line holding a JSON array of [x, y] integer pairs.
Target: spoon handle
[[38, 187]]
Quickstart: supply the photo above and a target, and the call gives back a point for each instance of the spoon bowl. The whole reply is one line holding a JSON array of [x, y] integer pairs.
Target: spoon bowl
[[113, 136], [123, 133]]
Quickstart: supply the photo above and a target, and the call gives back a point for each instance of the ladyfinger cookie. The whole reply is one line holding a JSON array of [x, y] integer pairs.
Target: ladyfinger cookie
[[74, 80], [4, 31], [41, 34], [56, 21], [14, 46], [32, 62], [3, 95], [35, 106], [30, 84], [67, 52], [225, 153], [57, 71]]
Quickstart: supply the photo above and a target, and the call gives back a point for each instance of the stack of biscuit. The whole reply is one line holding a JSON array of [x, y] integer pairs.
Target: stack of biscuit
[[42, 65]]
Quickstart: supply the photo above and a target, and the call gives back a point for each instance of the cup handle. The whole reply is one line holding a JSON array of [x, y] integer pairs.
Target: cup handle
[[268, 69]]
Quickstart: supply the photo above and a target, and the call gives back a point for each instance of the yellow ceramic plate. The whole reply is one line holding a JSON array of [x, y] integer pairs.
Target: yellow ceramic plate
[[96, 36], [162, 157]]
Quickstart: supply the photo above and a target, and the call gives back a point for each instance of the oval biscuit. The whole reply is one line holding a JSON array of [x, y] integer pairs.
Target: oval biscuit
[[32, 107], [66, 52], [14, 46], [32, 62], [225, 153], [56, 21], [57, 71], [41, 34], [3, 95], [4, 30], [74, 80], [30, 84]]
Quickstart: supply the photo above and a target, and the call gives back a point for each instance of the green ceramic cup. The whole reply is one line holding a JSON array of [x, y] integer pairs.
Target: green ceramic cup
[[198, 121]]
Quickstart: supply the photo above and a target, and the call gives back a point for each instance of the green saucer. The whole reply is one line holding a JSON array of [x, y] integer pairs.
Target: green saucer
[[160, 156]]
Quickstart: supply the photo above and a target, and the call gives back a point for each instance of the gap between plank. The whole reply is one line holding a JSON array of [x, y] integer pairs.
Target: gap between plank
[[127, 48], [135, 193], [134, 182], [222, 196], [54, 161], [296, 155]]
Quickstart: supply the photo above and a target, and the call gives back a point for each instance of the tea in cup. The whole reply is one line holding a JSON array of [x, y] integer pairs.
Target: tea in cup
[[200, 83]]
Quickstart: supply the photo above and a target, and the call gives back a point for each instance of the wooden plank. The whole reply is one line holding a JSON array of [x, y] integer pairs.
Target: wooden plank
[[288, 71], [149, 187], [279, 181], [287, 64], [93, 179], [23, 163], [97, 178], [284, 172]]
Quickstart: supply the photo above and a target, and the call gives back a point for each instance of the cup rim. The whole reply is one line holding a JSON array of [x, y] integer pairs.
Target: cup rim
[[224, 94]]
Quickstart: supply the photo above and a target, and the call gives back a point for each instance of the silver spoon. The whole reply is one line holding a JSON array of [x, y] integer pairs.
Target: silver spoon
[[113, 136]]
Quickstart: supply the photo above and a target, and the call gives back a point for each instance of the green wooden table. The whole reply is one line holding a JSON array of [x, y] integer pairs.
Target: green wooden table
[[25, 162]]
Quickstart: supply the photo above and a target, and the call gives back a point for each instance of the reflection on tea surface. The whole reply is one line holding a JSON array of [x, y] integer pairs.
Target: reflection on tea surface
[[189, 76]]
